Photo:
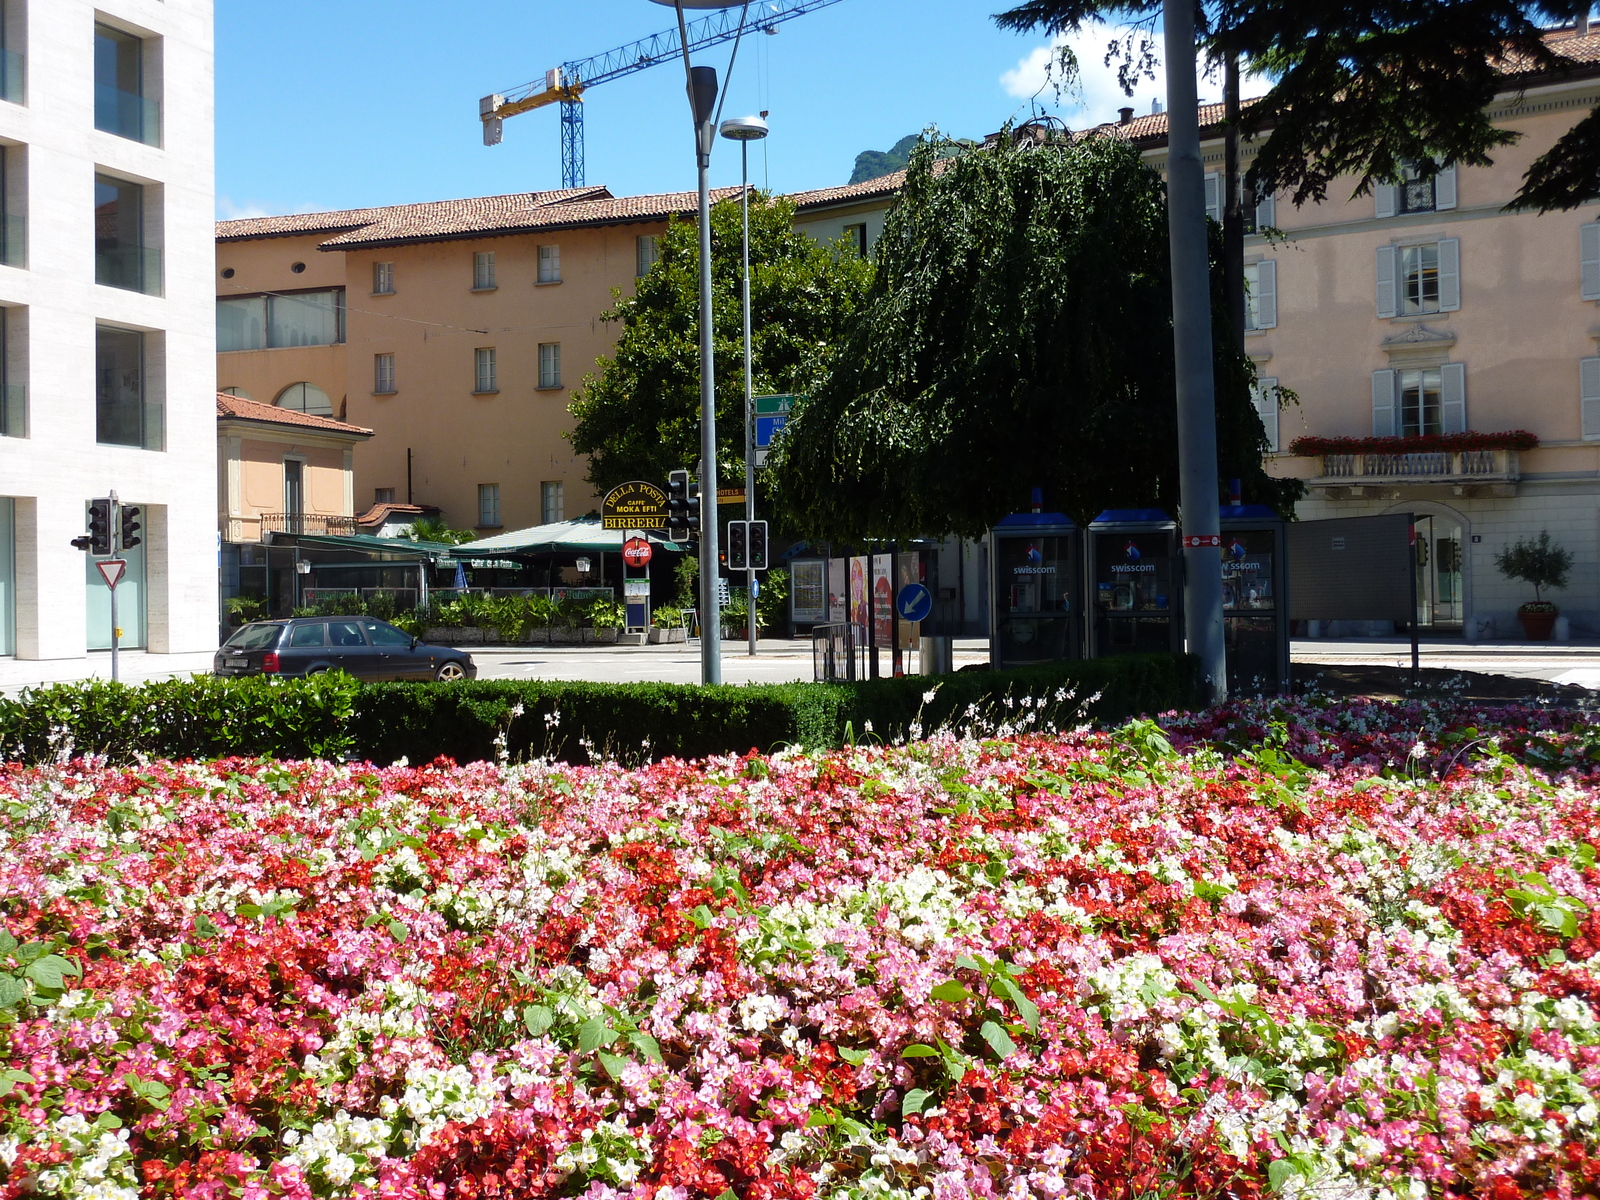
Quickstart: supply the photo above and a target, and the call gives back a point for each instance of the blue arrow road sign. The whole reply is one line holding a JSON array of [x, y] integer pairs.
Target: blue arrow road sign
[[914, 603]]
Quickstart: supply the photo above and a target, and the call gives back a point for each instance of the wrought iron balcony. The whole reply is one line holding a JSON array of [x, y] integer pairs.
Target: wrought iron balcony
[[308, 523], [1488, 472]]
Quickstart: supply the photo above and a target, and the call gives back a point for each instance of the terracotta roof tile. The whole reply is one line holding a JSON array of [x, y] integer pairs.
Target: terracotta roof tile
[[481, 216], [238, 408], [884, 185]]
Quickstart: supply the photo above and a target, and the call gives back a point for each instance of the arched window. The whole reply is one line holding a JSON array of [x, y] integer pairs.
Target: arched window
[[239, 392], [306, 398]]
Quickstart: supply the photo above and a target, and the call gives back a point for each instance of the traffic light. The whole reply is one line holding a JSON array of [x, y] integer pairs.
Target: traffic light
[[129, 535], [694, 508], [758, 546], [738, 545], [678, 506], [100, 526]]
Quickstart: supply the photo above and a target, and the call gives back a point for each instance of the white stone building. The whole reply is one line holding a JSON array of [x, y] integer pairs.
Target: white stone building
[[109, 327]]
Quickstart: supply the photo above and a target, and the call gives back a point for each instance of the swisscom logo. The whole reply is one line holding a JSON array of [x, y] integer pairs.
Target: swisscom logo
[[1236, 550], [1130, 551]]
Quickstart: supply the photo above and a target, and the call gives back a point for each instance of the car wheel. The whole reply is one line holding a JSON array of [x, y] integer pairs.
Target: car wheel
[[450, 672]]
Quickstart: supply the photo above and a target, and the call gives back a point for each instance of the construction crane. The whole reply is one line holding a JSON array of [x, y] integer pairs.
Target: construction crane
[[566, 84]]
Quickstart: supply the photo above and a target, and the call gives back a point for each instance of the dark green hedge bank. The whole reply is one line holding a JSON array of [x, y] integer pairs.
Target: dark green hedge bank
[[333, 716]]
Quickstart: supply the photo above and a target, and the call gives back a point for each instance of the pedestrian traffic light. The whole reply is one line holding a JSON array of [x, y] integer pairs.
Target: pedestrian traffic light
[[100, 526], [738, 545], [678, 506], [758, 546], [129, 537]]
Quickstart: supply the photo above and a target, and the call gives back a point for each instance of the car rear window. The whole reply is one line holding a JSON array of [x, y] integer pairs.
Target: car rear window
[[307, 635], [255, 637], [345, 633]]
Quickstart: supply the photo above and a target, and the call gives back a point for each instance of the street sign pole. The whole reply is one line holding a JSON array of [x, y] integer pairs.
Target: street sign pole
[[749, 411], [112, 581]]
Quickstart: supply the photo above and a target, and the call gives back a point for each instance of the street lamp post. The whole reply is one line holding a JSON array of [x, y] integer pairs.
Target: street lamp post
[[703, 103], [745, 130]]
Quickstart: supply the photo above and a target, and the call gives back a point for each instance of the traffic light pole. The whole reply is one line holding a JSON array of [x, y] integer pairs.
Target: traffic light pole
[[116, 631]]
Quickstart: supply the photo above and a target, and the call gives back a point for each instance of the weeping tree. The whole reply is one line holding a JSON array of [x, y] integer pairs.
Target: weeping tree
[[639, 416], [1018, 334]]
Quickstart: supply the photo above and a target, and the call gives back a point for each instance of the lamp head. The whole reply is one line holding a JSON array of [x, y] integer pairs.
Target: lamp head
[[744, 129]]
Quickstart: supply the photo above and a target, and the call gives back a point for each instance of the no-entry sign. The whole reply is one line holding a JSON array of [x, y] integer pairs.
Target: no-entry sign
[[636, 552], [111, 570]]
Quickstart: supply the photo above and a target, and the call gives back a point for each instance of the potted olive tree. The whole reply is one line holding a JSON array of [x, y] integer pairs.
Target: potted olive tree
[[1544, 564]]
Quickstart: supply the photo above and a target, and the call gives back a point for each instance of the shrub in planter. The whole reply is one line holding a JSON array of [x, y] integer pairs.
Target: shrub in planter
[[1542, 563]]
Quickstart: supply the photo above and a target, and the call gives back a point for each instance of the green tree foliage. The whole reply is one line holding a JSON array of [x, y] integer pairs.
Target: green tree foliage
[[639, 418], [1538, 561], [433, 529], [1366, 86], [1018, 334]]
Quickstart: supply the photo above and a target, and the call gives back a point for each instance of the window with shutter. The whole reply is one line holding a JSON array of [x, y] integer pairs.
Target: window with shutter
[[1385, 200], [1213, 195], [1449, 274], [1589, 388], [1444, 189], [1266, 402], [1266, 211], [1261, 295], [1388, 298], [1383, 389], [1589, 255], [1453, 398]]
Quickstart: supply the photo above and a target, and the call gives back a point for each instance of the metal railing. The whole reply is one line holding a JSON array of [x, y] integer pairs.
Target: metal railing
[[1425, 466], [308, 523], [838, 653], [127, 114]]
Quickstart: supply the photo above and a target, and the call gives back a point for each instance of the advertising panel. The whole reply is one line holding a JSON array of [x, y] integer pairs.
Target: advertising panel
[[858, 593], [838, 596], [883, 600], [808, 591]]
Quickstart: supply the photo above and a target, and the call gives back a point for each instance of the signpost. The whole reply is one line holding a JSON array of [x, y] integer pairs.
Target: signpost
[[771, 415], [112, 570], [636, 552], [914, 603]]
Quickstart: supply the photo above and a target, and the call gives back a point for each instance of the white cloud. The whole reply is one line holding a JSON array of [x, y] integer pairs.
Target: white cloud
[[1096, 95], [227, 210]]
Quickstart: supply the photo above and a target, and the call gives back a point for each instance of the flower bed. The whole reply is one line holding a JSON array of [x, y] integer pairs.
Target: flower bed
[[1509, 439], [1082, 966]]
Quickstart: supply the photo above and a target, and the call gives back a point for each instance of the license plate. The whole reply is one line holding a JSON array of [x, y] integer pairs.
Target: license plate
[[236, 662]]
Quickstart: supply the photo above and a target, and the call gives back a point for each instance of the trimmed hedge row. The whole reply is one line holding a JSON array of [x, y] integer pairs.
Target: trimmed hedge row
[[333, 716]]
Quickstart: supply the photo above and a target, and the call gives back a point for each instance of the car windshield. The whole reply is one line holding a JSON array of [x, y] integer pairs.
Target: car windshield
[[255, 637]]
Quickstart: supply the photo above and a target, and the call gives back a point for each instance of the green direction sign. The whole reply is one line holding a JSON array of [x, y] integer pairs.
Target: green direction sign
[[774, 406]]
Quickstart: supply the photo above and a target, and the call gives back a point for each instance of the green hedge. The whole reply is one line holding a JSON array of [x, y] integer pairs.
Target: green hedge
[[331, 716]]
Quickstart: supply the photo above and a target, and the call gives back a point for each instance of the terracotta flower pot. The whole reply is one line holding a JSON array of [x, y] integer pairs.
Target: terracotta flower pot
[[1538, 626]]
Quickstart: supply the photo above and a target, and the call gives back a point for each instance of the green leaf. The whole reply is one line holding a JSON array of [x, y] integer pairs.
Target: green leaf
[[594, 1033], [51, 971], [12, 991], [1028, 1009], [10, 1079], [398, 931], [702, 916], [854, 1057], [916, 1100], [965, 962], [7, 943], [204, 927], [646, 1045], [951, 990], [613, 1064], [1280, 1171], [538, 1019], [248, 910], [918, 1050], [999, 1040]]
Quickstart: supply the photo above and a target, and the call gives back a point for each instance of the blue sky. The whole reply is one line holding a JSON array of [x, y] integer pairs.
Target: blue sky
[[326, 104]]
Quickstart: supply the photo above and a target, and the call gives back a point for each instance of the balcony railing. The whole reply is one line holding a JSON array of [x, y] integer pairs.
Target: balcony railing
[[12, 66], [308, 523], [1458, 468], [135, 268], [13, 240], [127, 114]]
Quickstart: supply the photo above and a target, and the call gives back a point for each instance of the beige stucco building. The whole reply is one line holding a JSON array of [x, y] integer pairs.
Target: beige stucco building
[[1426, 308], [456, 331]]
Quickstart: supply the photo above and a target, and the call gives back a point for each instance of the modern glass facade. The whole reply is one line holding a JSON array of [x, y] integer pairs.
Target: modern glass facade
[[8, 576], [130, 598]]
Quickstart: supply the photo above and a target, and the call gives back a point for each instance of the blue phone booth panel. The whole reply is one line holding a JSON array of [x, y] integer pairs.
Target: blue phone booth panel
[[1036, 580], [1134, 593]]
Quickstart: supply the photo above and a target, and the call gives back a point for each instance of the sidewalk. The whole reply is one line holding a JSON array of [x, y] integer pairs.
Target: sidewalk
[[1576, 662], [135, 666]]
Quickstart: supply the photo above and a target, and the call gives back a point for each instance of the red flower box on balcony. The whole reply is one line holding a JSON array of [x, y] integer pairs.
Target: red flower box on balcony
[[1508, 439]]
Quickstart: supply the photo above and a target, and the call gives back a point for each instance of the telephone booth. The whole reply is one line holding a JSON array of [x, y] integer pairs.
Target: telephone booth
[[1136, 590], [1035, 589], [1255, 606]]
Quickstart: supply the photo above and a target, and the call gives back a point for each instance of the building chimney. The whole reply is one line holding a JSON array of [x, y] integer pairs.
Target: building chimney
[[1155, 108], [1124, 116]]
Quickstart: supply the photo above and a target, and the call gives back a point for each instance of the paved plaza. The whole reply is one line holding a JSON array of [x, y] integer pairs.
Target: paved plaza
[[786, 661]]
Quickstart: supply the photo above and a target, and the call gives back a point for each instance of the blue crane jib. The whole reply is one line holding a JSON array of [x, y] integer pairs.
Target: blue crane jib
[[565, 85]]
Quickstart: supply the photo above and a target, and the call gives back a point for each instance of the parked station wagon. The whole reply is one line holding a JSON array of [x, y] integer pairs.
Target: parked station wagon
[[363, 647]]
